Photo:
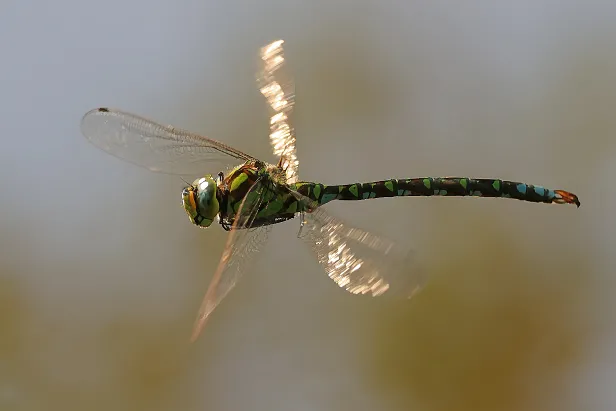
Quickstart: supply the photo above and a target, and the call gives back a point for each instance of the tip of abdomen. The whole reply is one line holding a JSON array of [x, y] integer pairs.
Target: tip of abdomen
[[565, 197]]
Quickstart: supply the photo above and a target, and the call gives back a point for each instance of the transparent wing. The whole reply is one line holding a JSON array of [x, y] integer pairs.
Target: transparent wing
[[279, 90], [158, 148], [242, 245], [359, 261]]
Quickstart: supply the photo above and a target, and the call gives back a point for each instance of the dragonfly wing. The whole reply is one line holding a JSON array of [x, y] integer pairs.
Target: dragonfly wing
[[159, 148], [359, 261], [242, 245], [279, 90]]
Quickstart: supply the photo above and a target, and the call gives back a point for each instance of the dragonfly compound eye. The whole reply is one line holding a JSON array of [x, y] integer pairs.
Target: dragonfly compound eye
[[200, 201]]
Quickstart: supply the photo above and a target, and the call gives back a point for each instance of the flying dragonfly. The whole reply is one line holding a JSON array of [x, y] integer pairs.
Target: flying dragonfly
[[255, 195]]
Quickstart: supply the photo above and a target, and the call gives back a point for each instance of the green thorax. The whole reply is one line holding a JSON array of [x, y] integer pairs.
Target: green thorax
[[276, 203]]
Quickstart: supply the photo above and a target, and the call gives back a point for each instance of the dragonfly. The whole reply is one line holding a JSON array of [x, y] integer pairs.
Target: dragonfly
[[251, 197]]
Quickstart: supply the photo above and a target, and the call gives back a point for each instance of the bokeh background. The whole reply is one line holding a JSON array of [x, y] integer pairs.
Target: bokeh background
[[101, 274]]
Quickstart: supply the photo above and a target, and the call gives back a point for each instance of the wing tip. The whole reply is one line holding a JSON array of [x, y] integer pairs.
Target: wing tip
[[197, 328], [93, 112], [97, 110]]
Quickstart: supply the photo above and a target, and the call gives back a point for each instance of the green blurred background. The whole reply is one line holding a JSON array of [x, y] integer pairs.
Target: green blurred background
[[101, 273]]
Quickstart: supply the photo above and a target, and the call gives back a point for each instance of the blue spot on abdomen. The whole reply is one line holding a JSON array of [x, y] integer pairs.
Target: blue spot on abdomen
[[540, 190], [521, 188]]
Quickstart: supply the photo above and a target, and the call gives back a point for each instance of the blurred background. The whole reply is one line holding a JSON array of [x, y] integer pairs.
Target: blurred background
[[101, 274]]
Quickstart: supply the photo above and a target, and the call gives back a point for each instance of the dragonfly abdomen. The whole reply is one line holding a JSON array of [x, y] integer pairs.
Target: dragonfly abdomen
[[437, 186]]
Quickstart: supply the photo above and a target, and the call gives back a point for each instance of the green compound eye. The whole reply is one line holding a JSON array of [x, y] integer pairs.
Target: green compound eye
[[200, 202]]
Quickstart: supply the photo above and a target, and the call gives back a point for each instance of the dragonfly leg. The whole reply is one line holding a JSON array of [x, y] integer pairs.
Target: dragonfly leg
[[224, 225], [302, 222]]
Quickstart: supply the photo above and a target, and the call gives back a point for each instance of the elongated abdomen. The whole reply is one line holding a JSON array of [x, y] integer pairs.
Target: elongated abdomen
[[437, 186]]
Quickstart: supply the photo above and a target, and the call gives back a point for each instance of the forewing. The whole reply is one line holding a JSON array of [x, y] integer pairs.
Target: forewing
[[163, 149], [359, 261], [242, 245], [279, 89]]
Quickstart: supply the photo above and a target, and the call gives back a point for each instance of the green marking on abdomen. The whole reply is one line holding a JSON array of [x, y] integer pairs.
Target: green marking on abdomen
[[328, 197], [316, 190], [353, 190]]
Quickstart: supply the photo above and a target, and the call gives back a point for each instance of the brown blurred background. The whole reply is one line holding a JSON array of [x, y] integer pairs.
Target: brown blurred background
[[101, 273]]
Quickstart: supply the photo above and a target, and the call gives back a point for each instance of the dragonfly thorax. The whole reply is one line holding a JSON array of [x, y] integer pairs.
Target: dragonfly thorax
[[200, 201]]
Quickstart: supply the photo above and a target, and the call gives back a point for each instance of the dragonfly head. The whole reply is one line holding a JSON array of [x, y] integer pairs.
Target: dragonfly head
[[200, 202]]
